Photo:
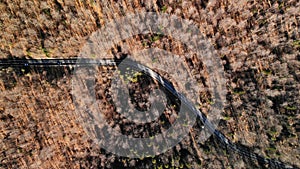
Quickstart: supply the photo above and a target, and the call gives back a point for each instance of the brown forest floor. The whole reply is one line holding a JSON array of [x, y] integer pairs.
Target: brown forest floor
[[258, 42]]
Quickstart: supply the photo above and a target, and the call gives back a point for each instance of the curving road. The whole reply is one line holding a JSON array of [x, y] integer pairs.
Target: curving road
[[271, 163]]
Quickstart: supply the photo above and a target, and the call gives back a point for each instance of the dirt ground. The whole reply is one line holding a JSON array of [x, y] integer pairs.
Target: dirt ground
[[258, 42]]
